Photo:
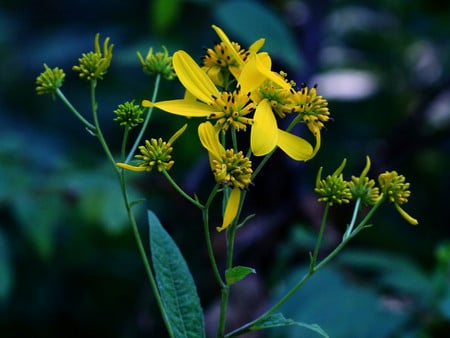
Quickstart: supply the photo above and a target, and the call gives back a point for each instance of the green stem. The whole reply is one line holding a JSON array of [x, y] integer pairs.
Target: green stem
[[88, 125], [205, 215], [143, 255], [128, 208], [124, 142], [353, 221], [181, 191], [320, 236], [262, 164], [231, 235], [98, 130], [311, 271], [146, 121]]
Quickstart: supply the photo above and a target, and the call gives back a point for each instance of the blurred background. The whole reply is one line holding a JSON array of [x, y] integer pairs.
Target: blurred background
[[69, 266]]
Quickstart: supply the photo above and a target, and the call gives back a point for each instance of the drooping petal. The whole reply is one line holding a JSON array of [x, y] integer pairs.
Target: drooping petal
[[182, 107], [264, 134], [318, 143], [210, 140], [405, 215], [231, 209], [295, 147], [131, 167], [177, 134], [193, 78]]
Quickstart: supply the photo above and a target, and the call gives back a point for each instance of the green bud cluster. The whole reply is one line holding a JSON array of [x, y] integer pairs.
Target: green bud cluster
[[94, 65], [235, 169], [49, 80], [393, 188], [158, 63], [129, 114]]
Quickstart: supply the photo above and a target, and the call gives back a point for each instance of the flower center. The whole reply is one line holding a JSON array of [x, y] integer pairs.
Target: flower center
[[234, 169], [232, 110], [313, 109], [220, 56], [395, 187], [156, 153]]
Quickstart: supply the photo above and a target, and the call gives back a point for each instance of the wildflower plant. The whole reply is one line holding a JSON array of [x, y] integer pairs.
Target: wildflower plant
[[234, 90]]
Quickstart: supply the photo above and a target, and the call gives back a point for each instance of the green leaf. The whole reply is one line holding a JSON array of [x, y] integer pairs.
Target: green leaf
[[175, 283], [329, 299], [237, 273], [277, 320]]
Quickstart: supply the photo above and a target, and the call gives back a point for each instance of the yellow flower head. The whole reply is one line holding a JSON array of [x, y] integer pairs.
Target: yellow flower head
[[94, 65], [158, 63], [312, 109], [364, 188], [278, 97], [395, 190], [49, 80], [234, 109], [333, 189], [154, 153], [227, 57], [229, 168], [129, 114]]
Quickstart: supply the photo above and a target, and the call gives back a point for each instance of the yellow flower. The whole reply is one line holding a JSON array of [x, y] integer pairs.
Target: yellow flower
[[234, 109], [227, 56], [229, 168], [49, 80], [158, 63], [396, 190], [364, 188], [155, 153], [94, 65], [333, 189]]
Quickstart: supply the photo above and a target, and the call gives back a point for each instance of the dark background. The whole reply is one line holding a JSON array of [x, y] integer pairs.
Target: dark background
[[68, 262]]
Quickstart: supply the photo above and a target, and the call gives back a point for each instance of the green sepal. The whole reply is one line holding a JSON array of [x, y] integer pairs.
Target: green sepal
[[237, 273], [175, 284]]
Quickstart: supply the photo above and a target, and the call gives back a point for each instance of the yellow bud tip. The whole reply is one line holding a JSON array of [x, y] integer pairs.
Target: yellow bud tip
[[130, 167], [406, 216], [146, 103]]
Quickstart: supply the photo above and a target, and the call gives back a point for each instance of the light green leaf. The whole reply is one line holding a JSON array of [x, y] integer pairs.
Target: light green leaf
[[237, 273], [175, 283], [277, 320]]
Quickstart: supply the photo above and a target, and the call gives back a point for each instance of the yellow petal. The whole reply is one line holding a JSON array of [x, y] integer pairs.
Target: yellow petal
[[405, 215], [256, 46], [264, 134], [224, 38], [210, 140], [318, 143], [182, 107], [177, 134], [295, 147], [131, 167], [231, 209], [264, 64], [193, 78], [250, 77]]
